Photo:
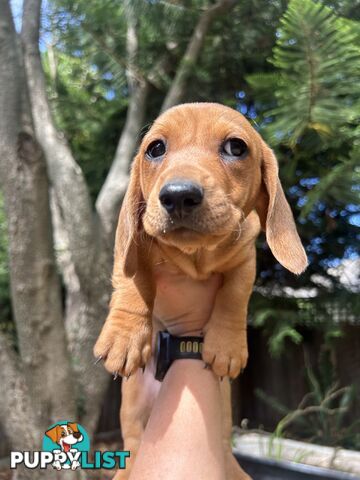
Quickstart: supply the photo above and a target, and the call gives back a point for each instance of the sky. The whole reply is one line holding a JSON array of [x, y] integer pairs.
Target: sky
[[16, 6]]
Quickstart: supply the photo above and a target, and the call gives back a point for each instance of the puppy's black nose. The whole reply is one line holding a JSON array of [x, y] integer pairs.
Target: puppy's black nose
[[77, 434], [181, 196]]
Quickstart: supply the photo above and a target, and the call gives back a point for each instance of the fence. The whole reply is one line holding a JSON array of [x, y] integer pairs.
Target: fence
[[283, 379]]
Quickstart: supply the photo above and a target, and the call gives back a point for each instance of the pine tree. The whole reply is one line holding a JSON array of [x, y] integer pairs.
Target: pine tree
[[317, 75], [310, 109]]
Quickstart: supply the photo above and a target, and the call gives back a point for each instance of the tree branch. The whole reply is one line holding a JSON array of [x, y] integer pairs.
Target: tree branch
[[113, 190], [191, 55], [139, 76], [10, 81], [65, 174]]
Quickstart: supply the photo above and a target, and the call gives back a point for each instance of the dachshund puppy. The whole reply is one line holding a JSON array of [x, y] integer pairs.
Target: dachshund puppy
[[202, 186]]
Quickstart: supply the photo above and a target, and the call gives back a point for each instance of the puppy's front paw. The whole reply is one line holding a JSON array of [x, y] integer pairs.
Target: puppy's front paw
[[57, 465], [75, 464], [225, 351], [124, 346]]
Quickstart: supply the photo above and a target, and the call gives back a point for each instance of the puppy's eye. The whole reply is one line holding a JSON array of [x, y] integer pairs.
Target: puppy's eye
[[156, 150], [234, 147]]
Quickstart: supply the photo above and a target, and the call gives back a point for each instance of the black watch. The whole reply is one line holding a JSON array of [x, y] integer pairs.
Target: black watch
[[170, 348]]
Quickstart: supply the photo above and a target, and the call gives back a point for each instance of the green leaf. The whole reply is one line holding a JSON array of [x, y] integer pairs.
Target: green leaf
[[277, 340], [317, 58]]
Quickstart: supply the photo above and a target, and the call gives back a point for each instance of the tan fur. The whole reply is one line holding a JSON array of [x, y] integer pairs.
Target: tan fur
[[220, 235]]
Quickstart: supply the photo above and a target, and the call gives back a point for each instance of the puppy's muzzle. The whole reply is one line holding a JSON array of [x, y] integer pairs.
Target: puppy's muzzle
[[181, 197]]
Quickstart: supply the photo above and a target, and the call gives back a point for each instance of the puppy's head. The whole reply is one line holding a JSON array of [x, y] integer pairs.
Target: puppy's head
[[199, 172], [65, 435]]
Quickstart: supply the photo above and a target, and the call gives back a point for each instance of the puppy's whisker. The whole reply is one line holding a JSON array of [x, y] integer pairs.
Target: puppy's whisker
[[151, 244]]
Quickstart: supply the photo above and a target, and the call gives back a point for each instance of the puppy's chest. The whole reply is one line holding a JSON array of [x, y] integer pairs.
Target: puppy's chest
[[178, 294], [178, 266], [198, 266]]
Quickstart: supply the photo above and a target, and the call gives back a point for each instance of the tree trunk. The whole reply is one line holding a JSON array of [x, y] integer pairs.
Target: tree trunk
[[22, 427], [84, 314], [35, 285], [89, 255]]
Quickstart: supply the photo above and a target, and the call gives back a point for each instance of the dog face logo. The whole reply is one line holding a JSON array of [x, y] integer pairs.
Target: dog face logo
[[66, 440], [65, 435]]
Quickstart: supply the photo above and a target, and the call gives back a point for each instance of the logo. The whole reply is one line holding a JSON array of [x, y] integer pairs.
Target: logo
[[66, 446]]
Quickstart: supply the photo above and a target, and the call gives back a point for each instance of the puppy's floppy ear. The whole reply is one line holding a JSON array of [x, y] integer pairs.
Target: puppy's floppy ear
[[73, 426], [54, 433], [276, 217], [129, 224]]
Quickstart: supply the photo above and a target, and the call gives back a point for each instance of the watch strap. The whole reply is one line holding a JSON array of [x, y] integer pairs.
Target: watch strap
[[170, 348]]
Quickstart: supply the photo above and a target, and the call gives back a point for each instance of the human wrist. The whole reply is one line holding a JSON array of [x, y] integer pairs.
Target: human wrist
[[171, 347]]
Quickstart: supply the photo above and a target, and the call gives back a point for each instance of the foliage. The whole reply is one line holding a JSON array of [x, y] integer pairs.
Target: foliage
[[283, 318], [317, 58], [278, 321], [321, 416], [308, 108]]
